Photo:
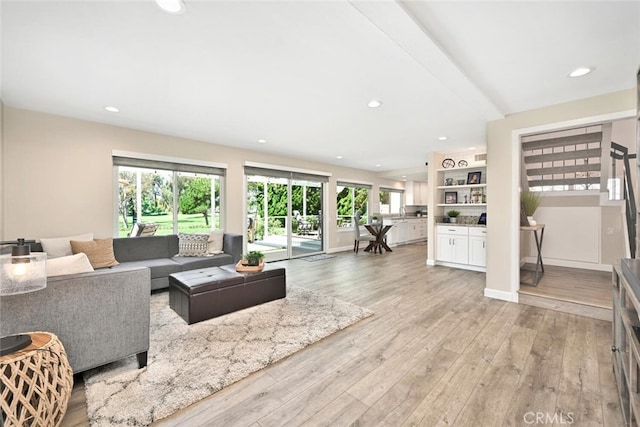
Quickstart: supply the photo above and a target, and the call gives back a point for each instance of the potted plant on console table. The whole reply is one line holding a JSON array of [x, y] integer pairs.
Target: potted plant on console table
[[252, 261]]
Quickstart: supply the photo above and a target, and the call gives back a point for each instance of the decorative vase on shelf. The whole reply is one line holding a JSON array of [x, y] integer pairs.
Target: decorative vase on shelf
[[453, 219], [531, 221]]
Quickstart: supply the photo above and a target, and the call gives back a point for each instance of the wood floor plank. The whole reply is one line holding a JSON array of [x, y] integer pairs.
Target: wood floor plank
[[579, 388], [436, 352], [537, 390]]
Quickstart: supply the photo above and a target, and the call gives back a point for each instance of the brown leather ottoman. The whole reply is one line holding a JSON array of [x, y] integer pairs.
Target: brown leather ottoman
[[202, 294]]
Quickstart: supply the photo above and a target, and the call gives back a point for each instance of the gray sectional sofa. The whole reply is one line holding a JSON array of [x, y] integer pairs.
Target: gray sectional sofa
[[100, 317], [103, 316], [158, 253]]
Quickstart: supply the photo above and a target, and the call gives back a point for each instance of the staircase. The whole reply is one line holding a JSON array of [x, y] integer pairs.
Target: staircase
[[621, 153]]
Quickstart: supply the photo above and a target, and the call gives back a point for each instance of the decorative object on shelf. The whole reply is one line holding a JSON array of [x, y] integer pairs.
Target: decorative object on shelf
[[449, 181], [463, 163], [20, 273], [476, 196], [529, 201], [465, 199], [451, 197], [448, 163], [374, 219], [461, 182], [473, 178], [453, 216]]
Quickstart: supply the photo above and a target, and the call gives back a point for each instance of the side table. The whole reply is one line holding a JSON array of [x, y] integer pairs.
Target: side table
[[539, 270], [36, 383]]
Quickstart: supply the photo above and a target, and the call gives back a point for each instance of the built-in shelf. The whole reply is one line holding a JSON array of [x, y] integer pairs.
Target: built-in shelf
[[461, 205], [453, 187]]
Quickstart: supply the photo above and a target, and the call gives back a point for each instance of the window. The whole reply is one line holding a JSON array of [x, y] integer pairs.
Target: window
[[390, 200], [563, 161], [350, 199], [177, 197]]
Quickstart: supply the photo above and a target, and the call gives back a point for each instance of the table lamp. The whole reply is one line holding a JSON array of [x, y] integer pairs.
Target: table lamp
[[20, 273]]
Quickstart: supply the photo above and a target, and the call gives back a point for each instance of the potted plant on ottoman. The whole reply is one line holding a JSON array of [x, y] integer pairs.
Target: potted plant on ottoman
[[453, 216], [252, 261]]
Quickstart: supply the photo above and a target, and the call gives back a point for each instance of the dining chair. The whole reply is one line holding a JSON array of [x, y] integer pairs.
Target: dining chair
[[358, 237]]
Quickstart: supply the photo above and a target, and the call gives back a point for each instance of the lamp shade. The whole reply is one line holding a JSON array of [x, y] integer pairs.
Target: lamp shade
[[23, 273]]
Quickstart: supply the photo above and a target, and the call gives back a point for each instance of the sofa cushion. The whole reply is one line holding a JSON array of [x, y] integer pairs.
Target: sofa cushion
[[99, 251], [191, 263], [140, 248], [61, 246], [72, 264], [216, 239], [192, 244], [161, 267]]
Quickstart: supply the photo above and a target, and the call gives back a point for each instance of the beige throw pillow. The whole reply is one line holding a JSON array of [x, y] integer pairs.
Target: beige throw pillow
[[61, 246], [72, 264], [215, 242], [99, 252]]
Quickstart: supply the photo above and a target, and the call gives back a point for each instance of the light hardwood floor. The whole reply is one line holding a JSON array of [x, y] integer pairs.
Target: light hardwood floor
[[572, 290], [436, 352]]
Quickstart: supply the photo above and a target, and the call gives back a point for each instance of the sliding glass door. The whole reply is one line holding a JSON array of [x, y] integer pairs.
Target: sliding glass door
[[284, 214]]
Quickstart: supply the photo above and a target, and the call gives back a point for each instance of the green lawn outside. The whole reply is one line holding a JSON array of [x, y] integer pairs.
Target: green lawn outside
[[193, 223]]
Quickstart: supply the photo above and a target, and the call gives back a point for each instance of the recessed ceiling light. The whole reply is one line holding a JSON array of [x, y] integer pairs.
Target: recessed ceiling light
[[404, 176], [175, 7], [111, 109], [581, 71], [374, 103], [338, 157], [262, 141], [442, 138], [378, 166], [472, 148]]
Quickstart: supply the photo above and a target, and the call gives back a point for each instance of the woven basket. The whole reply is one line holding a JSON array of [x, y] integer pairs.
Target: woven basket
[[36, 383]]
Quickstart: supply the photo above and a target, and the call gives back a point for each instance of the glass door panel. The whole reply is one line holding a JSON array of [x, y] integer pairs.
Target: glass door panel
[[306, 218], [267, 221], [284, 217]]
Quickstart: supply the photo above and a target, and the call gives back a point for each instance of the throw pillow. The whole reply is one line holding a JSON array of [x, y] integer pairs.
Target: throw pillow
[[215, 242], [60, 246], [99, 252], [72, 264], [192, 244]]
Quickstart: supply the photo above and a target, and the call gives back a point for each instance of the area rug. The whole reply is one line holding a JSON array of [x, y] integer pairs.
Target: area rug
[[190, 362], [318, 257]]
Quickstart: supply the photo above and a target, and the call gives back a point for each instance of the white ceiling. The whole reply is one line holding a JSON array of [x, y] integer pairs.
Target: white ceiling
[[300, 74]]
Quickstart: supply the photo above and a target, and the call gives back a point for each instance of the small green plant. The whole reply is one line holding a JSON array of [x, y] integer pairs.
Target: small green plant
[[453, 213], [253, 257], [530, 201]]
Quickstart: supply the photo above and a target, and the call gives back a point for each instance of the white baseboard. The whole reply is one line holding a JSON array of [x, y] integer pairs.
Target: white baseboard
[[571, 264], [501, 295], [342, 249], [431, 261], [461, 266]]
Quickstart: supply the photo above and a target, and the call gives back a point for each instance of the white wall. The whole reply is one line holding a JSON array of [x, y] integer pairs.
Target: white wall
[[503, 180], [59, 176]]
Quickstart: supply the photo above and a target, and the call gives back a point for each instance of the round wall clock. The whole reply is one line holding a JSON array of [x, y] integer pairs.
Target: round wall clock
[[448, 163]]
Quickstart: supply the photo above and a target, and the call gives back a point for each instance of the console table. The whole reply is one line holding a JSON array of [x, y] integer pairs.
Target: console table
[[36, 383]]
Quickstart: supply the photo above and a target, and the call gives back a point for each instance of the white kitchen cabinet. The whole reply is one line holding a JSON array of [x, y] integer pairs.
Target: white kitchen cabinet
[[478, 246], [453, 244], [416, 193], [461, 247]]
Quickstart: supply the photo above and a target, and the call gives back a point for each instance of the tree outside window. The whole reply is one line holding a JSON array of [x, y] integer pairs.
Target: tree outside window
[[351, 199]]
